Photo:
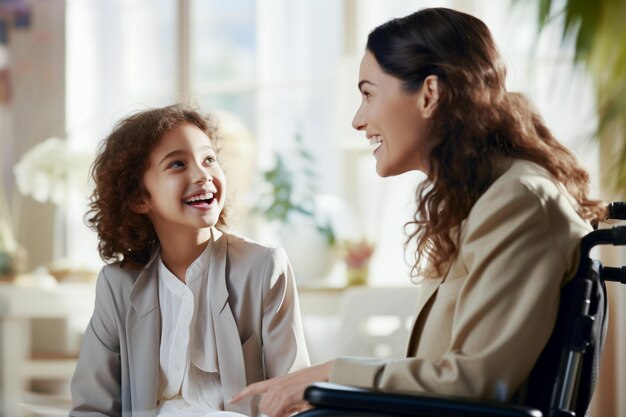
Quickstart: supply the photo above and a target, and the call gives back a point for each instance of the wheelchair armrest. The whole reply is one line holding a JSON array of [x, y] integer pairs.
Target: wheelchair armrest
[[340, 400]]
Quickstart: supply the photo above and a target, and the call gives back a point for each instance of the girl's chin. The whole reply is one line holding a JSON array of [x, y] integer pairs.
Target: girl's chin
[[211, 218]]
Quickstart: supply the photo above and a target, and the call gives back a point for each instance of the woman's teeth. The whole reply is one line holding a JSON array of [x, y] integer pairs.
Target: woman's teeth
[[376, 141]]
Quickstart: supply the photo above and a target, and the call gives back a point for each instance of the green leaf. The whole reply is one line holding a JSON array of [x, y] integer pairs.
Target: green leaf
[[544, 12], [598, 29], [292, 191], [328, 233]]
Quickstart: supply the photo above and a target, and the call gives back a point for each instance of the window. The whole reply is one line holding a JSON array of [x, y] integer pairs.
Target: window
[[285, 68]]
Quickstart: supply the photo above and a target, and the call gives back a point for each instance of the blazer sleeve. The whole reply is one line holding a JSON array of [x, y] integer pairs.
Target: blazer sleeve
[[284, 347], [96, 384], [518, 247]]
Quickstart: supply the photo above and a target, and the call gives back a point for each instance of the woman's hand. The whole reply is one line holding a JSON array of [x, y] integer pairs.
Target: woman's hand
[[283, 395]]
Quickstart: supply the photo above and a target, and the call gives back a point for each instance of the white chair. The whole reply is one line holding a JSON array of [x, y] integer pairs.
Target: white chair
[[375, 322]]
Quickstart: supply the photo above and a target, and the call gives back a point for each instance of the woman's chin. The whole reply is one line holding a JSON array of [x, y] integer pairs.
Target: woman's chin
[[382, 171]]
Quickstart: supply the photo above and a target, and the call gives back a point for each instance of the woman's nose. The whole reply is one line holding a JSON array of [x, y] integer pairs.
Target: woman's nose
[[358, 121]]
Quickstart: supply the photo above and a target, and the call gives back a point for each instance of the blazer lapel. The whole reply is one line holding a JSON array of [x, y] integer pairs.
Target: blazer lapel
[[229, 351], [427, 289], [143, 328]]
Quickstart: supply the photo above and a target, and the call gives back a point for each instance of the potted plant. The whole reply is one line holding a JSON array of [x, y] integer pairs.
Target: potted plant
[[290, 202], [598, 30]]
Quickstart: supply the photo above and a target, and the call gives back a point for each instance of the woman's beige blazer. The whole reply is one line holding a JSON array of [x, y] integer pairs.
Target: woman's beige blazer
[[479, 330], [257, 323]]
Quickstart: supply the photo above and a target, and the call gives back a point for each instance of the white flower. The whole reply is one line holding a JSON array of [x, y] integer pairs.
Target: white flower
[[44, 171], [7, 237]]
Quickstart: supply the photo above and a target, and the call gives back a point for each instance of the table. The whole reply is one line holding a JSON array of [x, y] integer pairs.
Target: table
[[19, 305], [320, 301]]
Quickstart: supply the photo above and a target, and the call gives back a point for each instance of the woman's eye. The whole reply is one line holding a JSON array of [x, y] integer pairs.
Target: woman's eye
[[210, 159], [366, 94]]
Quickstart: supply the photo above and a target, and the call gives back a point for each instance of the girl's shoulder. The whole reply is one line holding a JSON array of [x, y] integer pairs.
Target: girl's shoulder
[[234, 239], [117, 277], [245, 248], [116, 271]]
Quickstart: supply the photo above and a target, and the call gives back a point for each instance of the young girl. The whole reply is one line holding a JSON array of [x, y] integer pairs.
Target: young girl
[[186, 314]]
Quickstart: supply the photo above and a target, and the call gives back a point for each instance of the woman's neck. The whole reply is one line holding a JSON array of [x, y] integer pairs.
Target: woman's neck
[[179, 251]]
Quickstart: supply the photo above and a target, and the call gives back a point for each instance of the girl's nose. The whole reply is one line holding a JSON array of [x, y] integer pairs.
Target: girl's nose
[[202, 175]]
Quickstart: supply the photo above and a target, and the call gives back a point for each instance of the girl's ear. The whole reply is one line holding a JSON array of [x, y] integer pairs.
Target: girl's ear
[[429, 97], [140, 205]]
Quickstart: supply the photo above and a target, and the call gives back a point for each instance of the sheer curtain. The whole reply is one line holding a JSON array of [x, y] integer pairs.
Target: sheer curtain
[[121, 57], [609, 399]]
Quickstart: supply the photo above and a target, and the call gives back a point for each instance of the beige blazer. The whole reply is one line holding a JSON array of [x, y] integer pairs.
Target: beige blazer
[[479, 330], [257, 323]]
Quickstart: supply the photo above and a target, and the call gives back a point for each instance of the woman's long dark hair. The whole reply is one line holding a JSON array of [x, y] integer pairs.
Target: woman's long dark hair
[[477, 122]]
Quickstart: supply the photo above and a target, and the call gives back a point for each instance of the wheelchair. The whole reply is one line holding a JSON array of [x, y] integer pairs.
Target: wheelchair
[[562, 381]]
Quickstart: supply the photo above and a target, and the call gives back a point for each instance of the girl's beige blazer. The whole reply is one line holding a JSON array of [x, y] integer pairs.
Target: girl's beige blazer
[[257, 323]]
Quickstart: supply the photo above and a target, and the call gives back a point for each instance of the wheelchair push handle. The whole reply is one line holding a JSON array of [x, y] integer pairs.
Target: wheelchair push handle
[[615, 236], [617, 210]]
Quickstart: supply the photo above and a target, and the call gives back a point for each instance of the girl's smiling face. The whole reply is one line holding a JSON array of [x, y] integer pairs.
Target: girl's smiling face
[[396, 122], [185, 185]]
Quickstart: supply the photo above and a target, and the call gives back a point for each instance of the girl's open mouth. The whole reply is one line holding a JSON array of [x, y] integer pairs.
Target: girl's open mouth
[[205, 200]]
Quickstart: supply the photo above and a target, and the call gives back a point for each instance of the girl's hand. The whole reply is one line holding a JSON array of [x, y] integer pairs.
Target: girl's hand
[[283, 395]]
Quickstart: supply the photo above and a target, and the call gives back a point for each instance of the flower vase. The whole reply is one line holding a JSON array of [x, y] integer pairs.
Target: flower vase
[[357, 255], [357, 275], [311, 257], [12, 263]]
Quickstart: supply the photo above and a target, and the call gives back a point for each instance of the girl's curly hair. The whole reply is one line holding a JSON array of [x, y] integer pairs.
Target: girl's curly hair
[[123, 158], [476, 123]]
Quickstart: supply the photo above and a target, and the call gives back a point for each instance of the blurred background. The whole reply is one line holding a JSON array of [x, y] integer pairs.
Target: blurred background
[[281, 76]]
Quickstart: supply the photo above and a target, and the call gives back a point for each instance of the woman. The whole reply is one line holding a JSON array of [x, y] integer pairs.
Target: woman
[[497, 224]]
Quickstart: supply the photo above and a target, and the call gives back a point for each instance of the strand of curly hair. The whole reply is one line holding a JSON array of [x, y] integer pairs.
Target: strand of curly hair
[[464, 167]]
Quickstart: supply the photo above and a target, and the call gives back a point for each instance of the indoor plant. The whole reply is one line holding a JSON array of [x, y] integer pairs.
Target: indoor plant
[[598, 31], [290, 203], [290, 194]]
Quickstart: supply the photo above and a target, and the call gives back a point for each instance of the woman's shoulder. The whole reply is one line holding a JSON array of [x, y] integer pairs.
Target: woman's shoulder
[[526, 187], [525, 177]]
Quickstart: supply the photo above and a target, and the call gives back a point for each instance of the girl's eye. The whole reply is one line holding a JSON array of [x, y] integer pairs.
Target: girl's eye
[[176, 164], [210, 159], [366, 94]]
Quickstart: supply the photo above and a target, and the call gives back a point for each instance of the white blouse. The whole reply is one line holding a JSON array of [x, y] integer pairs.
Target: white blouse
[[190, 379]]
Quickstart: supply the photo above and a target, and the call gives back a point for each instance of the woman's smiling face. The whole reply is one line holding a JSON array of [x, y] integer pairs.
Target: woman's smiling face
[[396, 122]]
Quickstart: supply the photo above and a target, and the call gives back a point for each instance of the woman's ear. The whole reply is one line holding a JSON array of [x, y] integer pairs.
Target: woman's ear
[[429, 97]]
